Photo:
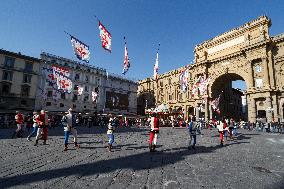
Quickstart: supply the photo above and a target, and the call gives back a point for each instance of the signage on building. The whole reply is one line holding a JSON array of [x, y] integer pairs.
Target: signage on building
[[227, 44], [116, 100]]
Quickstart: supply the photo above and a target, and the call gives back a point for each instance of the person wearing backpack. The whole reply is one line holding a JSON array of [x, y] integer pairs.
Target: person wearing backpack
[[69, 123], [113, 123], [192, 133], [154, 124]]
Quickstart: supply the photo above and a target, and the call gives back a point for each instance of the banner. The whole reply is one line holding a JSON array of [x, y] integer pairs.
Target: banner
[[105, 37], [61, 75], [81, 50], [94, 96], [126, 63], [215, 104], [80, 90], [183, 79]]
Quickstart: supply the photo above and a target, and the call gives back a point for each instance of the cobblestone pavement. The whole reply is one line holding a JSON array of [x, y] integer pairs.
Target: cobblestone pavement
[[253, 160]]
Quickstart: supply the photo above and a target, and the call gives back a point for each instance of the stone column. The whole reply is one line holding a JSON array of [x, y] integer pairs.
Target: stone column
[[266, 73], [197, 112], [250, 77], [251, 110], [268, 106], [210, 112], [275, 108], [206, 110]]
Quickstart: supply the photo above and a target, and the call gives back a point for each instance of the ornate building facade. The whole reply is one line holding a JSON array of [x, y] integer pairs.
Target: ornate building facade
[[19, 75], [83, 87], [245, 53], [83, 80]]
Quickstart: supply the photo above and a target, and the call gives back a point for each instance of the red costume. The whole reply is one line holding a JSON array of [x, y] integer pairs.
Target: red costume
[[154, 123], [42, 121]]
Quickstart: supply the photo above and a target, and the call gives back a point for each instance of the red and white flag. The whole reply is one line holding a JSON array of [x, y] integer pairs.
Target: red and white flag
[[105, 37], [126, 63], [156, 66]]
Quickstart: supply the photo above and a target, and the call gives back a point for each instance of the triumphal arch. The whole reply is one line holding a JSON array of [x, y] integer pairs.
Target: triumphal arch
[[245, 53]]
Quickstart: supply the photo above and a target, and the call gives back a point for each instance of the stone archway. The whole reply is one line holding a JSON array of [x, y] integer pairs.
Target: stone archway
[[230, 103]]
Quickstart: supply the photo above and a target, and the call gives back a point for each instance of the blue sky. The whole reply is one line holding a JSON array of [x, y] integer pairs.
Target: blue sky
[[33, 26]]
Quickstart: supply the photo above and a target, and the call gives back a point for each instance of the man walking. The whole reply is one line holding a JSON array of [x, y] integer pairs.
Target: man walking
[[69, 123], [192, 133], [19, 118], [35, 125]]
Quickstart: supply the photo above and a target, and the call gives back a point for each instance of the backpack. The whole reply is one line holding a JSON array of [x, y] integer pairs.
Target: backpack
[[64, 121], [194, 125]]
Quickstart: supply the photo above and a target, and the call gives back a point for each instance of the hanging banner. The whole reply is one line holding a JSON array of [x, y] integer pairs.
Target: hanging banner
[[94, 96], [80, 90], [105, 37], [81, 50], [183, 79], [61, 75]]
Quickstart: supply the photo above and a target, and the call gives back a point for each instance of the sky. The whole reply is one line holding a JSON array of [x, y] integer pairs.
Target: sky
[[33, 26]]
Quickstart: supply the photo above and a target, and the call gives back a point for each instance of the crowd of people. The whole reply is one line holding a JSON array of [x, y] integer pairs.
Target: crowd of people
[[40, 122]]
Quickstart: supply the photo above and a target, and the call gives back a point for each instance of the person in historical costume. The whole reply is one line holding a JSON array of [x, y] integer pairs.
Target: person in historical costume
[[35, 120], [42, 131], [69, 124], [220, 128], [154, 130], [19, 119]]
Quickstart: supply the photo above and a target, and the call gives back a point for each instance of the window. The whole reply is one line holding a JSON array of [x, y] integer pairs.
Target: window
[[170, 97], [25, 90], [61, 105], [29, 67], [23, 102], [49, 93], [180, 96], [63, 96], [27, 78], [86, 78], [86, 88], [48, 104], [6, 87], [86, 98], [77, 77], [75, 97], [9, 62], [7, 75], [74, 105]]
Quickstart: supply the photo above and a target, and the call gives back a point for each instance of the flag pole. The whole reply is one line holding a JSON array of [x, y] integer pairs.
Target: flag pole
[[96, 18], [67, 33]]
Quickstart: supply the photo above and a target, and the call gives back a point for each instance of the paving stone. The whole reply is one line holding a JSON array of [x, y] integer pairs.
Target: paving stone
[[252, 160]]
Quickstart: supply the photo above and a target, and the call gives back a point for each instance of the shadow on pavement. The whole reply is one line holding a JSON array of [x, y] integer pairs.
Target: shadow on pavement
[[145, 160]]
